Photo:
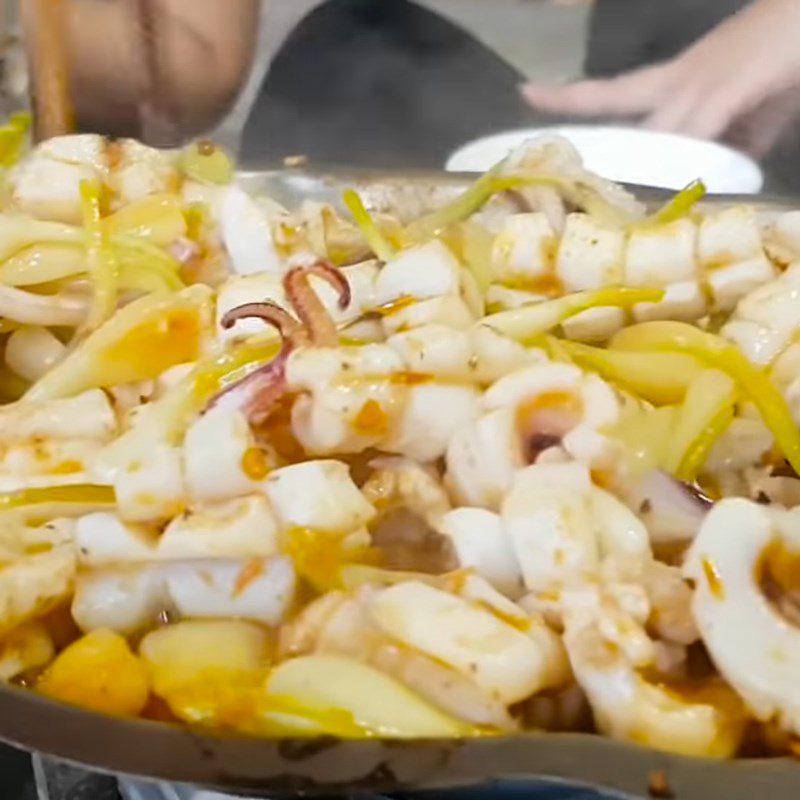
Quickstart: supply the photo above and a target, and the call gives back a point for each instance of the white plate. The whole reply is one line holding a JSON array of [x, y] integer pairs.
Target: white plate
[[632, 155]]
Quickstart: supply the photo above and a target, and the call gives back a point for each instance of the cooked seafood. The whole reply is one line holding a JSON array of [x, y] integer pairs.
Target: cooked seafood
[[291, 473]]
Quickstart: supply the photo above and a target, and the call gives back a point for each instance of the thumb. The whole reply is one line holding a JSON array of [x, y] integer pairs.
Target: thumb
[[632, 93]]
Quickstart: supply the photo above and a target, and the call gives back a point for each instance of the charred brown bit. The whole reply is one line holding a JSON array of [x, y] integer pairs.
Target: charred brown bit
[[782, 470], [762, 498], [537, 443], [206, 147], [657, 785], [696, 493]]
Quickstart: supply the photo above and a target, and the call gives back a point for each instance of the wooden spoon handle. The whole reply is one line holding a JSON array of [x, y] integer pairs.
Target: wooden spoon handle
[[44, 29]]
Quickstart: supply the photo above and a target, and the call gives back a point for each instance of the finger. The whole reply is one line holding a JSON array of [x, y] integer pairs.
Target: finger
[[633, 93], [674, 114], [711, 119], [758, 131]]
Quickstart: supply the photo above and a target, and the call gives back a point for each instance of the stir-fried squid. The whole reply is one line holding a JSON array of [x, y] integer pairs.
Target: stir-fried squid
[[291, 473]]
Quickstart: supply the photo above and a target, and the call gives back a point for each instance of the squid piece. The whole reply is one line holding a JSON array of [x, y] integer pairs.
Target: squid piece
[[782, 239], [32, 585], [51, 462], [561, 526], [359, 397], [563, 403], [741, 544], [506, 662], [138, 171], [424, 285], [523, 252], [319, 496], [422, 272], [731, 252], [151, 488], [128, 599], [268, 286], [85, 416], [257, 393], [47, 183], [246, 232], [590, 256], [431, 413], [766, 319], [345, 396], [401, 482], [482, 459], [242, 528], [722, 258], [480, 542], [339, 623], [221, 458], [611, 653], [548, 521], [53, 442]]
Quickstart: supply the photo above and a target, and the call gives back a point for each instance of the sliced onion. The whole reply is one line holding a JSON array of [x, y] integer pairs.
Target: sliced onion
[[32, 351], [68, 309]]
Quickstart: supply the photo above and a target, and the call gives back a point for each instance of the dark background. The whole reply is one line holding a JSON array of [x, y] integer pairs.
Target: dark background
[[391, 84]]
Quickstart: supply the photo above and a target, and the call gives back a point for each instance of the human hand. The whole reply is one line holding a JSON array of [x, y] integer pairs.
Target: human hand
[[738, 77]]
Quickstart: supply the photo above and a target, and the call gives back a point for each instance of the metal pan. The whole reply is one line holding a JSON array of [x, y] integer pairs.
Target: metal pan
[[410, 194], [261, 767]]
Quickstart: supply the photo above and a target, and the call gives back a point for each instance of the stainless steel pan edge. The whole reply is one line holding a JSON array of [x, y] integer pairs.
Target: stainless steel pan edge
[[417, 192], [329, 766], [315, 767]]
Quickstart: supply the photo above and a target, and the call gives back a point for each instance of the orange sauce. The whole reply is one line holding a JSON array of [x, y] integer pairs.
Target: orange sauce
[[547, 284], [250, 572], [393, 306], [410, 378], [319, 557], [782, 564], [255, 464], [152, 347], [715, 584], [371, 419], [69, 467]]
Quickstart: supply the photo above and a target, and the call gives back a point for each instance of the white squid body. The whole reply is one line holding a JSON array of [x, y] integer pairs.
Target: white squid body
[[354, 398], [53, 442], [754, 647], [221, 559], [555, 399], [766, 320], [409, 395], [608, 648], [471, 652], [268, 286], [724, 253], [422, 285], [220, 562], [128, 600], [554, 526], [47, 183]]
